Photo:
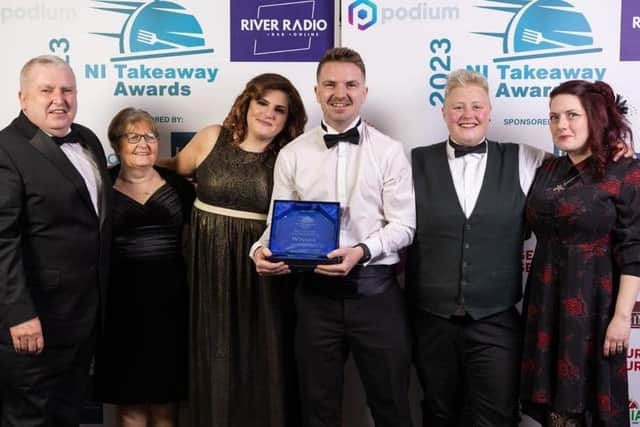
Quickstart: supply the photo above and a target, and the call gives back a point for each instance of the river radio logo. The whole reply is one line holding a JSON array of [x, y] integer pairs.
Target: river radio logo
[[154, 29], [276, 31], [630, 31], [542, 28]]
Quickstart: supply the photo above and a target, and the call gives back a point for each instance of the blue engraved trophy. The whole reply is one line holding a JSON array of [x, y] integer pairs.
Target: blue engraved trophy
[[303, 233]]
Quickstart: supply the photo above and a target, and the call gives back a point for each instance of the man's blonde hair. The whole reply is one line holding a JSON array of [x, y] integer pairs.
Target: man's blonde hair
[[463, 77]]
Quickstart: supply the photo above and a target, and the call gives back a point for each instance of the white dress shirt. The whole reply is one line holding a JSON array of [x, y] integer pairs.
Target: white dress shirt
[[371, 181], [468, 173], [82, 159]]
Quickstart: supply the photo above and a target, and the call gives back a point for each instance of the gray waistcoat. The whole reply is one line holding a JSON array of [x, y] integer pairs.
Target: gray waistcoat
[[470, 263]]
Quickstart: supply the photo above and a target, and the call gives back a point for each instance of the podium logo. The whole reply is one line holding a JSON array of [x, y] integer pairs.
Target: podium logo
[[542, 28], [363, 14], [37, 11], [154, 29]]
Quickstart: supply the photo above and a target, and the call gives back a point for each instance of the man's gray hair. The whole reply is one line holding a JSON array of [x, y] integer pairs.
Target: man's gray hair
[[40, 60]]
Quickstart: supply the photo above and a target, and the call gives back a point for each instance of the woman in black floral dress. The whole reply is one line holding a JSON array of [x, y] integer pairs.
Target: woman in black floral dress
[[585, 212]]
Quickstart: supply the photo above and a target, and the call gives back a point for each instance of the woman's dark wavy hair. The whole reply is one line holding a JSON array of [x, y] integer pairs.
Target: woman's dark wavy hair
[[606, 117], [236, 120]]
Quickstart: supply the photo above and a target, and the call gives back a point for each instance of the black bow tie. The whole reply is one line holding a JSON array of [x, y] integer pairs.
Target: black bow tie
[[71, 138], [352, 136], [461, 150]]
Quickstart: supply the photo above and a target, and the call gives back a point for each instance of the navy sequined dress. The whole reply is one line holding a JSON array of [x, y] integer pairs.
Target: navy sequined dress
[[142, 351]]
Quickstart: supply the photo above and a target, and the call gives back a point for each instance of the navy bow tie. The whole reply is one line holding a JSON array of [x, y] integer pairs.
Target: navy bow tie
[[461, 150], [71, 138], [352, 136]]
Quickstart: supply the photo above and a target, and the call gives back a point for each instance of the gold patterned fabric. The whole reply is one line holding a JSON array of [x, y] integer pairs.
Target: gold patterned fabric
[[242, 366]]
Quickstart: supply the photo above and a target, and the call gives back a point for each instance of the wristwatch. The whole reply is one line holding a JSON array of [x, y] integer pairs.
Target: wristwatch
[[366, 256]]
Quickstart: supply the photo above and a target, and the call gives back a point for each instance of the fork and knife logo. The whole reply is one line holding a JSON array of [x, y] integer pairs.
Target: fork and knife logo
[[538, 29], [155, 29], [151, 38], [536, 37]]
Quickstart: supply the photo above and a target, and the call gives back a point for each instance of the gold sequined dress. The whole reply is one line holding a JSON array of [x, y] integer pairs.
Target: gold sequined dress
[[242, 366]]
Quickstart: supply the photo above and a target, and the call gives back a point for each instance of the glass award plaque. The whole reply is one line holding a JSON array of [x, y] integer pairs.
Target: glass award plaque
[[303, 233]]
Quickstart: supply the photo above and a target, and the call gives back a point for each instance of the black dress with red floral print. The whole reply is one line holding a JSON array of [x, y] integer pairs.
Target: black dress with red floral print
[[588, 234]]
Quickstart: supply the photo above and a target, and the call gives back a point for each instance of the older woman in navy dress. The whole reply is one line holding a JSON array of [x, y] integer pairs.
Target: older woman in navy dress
[[142, 359]]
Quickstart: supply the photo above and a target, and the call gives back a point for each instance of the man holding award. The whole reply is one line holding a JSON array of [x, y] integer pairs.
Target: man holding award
[[342, 208]]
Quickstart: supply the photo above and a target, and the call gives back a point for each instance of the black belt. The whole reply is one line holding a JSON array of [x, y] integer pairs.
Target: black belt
[[360, 282]]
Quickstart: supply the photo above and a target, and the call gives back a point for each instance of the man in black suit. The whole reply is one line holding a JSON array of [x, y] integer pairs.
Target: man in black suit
[[54, 237]]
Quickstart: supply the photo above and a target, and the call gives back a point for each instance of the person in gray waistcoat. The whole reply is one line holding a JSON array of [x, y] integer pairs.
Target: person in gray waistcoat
[[464, 268]]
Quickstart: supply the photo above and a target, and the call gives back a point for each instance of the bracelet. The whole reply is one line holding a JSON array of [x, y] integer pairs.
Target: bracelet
[[366, 253]]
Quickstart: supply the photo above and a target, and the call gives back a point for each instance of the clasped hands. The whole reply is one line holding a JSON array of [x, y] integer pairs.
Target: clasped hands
[[350, 257]]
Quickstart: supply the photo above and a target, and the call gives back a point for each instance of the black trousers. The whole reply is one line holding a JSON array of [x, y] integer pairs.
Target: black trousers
[[45, 390], [469, 363], [375, 330]]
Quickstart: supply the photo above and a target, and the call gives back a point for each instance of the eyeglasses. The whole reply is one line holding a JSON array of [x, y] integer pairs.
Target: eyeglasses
[[134, 138]]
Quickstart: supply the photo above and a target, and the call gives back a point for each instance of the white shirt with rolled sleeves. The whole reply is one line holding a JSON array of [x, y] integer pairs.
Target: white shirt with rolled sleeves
[[371, 181]]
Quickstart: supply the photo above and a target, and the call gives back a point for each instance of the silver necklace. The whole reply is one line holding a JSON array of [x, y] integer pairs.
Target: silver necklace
[[563, 185]]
